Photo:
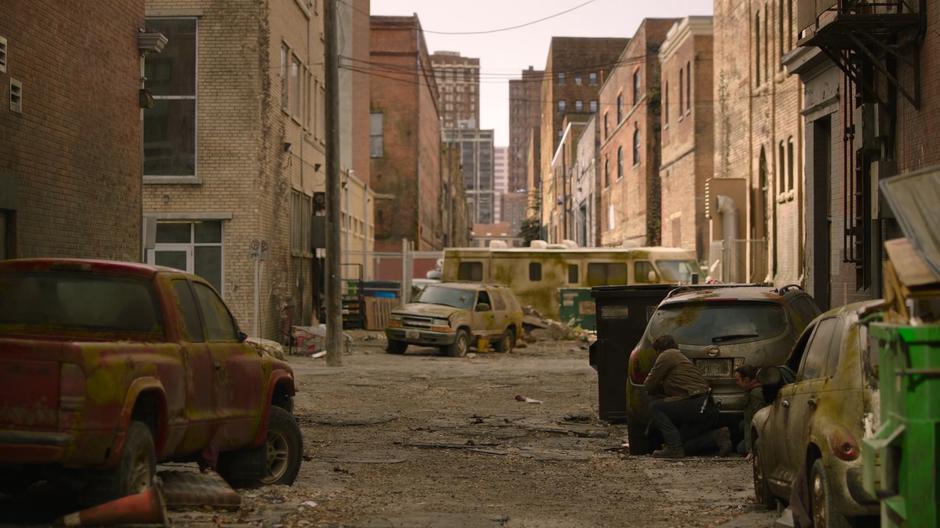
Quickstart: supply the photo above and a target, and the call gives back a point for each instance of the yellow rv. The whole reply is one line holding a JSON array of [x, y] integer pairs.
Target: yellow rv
[[536, 274]]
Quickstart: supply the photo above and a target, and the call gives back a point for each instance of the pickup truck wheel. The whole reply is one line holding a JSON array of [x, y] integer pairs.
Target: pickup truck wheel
[[640, 443], [283, 449], [396, 347], [461, 344], [135, 470]]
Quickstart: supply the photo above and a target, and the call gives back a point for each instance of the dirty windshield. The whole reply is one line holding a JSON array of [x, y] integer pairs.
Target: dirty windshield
[[57, 302], [715, 323], [677, 270], [454, 297]]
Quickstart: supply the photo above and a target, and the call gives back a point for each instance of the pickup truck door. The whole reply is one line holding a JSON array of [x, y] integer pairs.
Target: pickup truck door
[[199, 414], [237, 376]]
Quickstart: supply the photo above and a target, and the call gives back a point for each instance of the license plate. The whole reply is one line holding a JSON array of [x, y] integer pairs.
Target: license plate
[[412, 334], [716, 368]]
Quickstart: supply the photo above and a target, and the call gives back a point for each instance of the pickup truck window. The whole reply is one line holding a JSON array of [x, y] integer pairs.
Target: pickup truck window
[[54, 302], [219, 324], [192, 326]]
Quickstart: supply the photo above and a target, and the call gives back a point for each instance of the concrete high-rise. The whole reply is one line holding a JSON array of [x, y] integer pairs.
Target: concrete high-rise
[[458, 81], [476, 159], [500, 179]]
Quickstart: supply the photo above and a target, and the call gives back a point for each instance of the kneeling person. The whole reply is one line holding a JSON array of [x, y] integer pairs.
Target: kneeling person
[[681, 406]]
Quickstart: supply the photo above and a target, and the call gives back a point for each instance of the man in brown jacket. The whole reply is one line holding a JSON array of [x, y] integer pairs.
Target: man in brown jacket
[[681, 405]]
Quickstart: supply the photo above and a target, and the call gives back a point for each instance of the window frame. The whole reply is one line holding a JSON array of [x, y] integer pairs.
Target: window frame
[[190, 248], [373, 136]]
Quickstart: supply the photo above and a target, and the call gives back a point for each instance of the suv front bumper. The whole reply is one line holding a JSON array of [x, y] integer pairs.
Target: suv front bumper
[[420, 337]]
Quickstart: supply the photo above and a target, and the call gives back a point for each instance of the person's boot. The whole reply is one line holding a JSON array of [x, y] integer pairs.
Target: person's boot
[[669, 452], [723, 440]]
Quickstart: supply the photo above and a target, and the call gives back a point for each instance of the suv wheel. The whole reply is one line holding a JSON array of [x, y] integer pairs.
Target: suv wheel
[[506, 341], [821, 500], [640, 443], [761, 488], [396, 347], [461, 344]]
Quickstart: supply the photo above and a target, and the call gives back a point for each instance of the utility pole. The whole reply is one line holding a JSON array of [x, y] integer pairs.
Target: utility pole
[[335, 344]]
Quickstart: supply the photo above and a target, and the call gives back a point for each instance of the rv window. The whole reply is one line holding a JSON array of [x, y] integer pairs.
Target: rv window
[[573, 275], [610, 273], [535, 271], [641, 270], [470, 271]]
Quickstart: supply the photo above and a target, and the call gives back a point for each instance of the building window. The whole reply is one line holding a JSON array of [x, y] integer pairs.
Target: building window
[[592, 79], [781, 169], [790, 166], [688, 87], [561, 78], [562, 105], [606, 125], [781, 33], [766, 43], [636, 86], [619, 162], [619, 108], [666, 103], [606, 172], [579, 106], [757, 54], [170, 125], [577, 80], [7, 234], [790, 28], [593, 106], [376, 135], [295, 86], [193, 247], [681, 91], [535, 271], [636, 146], [309, 95], [285, 52], [301, 217]]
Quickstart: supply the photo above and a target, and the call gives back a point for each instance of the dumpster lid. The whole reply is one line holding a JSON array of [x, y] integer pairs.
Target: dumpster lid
[[914, 197], [910, 267]]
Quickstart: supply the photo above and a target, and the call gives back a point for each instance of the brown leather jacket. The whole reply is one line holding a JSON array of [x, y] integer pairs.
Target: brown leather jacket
[[675, 376]]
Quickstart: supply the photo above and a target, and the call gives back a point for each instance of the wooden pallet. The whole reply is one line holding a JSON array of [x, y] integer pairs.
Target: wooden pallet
[[377, 312]]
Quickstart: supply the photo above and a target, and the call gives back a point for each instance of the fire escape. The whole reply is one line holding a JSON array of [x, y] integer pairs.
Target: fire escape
[[876, 44]]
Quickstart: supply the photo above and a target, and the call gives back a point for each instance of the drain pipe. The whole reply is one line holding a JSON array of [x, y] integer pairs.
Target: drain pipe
[[729, 229]]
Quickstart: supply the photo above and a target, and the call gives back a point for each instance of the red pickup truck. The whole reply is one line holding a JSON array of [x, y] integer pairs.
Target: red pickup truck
[[108, 367]]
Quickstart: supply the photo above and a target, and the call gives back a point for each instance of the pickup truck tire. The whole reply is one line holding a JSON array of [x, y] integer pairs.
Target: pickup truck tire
[[396, 347], [135, 469], [639, 441], [461, 344], [276, 461]]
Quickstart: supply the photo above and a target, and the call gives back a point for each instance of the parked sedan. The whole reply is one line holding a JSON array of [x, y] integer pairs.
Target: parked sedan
[[815, 426]]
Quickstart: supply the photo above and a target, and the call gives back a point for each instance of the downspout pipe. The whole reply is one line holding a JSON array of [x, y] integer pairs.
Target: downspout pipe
[[729, 229]]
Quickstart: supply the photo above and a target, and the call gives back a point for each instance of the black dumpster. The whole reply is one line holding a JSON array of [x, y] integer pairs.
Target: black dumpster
[[622, 314]]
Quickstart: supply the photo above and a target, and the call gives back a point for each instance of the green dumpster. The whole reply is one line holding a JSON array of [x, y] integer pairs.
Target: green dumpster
[[901, 459], [577, 305]]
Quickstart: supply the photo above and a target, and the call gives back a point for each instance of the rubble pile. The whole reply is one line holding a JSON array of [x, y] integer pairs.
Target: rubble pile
[[540, 328]]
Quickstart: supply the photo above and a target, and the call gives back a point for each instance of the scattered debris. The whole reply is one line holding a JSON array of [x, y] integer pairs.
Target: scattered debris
[[309, 504], [266, 347], [526, 399], [337, 421], [318, 355], [471, 355], [185, 490]]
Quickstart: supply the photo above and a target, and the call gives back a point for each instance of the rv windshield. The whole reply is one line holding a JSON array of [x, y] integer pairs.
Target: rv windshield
[[453, 297], [677, 270]]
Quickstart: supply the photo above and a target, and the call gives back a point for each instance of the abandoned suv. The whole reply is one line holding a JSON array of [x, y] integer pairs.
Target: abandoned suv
[[455, 316], [719, 327]]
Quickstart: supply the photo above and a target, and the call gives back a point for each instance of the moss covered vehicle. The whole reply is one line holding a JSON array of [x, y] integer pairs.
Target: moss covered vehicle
[[455, 317], [107, 368], [815, 425], [719, 328]]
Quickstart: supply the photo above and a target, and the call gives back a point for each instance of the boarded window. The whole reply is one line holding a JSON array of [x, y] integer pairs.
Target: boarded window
[[470, 271], [607, 273], [535, 271], [573, 274]]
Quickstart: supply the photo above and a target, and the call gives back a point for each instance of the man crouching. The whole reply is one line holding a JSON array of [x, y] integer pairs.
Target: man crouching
[[681, 405]]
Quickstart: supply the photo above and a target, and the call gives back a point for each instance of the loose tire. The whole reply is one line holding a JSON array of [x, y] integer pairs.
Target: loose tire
[[396, 347], [640, 443], [821, 500], [761, 489], [135, 470], [461, 344], [506, 341]]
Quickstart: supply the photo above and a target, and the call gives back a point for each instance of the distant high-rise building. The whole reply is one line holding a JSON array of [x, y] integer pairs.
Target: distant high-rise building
[[525, 115], [500, 178], [459, 81], [476, 159]]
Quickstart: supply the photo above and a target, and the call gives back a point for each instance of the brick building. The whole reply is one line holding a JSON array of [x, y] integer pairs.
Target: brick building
[[758, 136], [872, 134], [687, 133], [458, 83], [513, 208], [405, 137], [575, 69], [234, 152], [525, 117], [66, 192], [629, 120], [584, 186], [455, 214], [558, 214]]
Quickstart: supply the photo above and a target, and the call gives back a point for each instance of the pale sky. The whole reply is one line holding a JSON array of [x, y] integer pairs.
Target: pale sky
[[504, 55]]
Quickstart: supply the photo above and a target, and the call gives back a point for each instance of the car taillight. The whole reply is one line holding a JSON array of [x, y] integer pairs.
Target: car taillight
[[844, 446], [71, 387], [637, 374]]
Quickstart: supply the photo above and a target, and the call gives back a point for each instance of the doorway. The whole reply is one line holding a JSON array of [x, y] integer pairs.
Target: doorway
[[822, 212]]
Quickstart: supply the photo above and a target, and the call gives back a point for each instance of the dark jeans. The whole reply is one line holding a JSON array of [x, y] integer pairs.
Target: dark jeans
[[683, 420]]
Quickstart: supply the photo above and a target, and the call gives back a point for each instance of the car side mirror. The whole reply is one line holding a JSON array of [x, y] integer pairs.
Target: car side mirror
[[242, 336], [483, 307]]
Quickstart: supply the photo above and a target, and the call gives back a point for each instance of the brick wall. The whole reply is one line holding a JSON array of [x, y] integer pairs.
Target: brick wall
[[73, 155], [525, 114]]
